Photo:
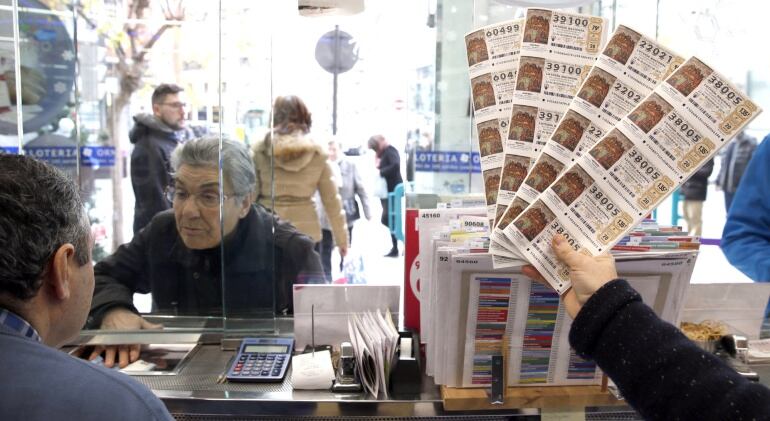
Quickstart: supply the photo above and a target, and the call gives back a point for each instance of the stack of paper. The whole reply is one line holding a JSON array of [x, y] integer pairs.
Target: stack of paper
[[650, 236], [374, 338]]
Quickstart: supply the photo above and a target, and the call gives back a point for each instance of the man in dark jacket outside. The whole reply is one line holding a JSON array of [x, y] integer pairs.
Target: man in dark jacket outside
[[389, 163], [694, 193], [154, 137], [181, 255], [735, 159]]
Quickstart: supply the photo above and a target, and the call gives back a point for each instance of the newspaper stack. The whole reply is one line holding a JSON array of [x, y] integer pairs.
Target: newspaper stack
[[374, 338], [595, 136]]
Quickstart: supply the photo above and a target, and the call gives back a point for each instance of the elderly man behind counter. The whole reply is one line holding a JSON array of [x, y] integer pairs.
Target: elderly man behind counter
[[46, 282], [177, 256]]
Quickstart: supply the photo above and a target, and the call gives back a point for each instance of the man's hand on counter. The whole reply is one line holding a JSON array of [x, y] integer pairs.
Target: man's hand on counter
[[121, 319]]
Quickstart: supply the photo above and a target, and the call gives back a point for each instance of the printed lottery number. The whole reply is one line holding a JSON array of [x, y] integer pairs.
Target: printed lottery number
[[643, 165], [622, 90], [725, 90], [503, 76], [603, 200], [684, 127], [595, 132], [563, 68], [570, 20], [655, 51], [548, 116], [503, 30], [559, 230]]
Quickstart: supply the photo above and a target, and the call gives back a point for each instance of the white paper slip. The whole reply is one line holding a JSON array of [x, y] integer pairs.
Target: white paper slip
[[312, 371], [759, 350], [139, 366]]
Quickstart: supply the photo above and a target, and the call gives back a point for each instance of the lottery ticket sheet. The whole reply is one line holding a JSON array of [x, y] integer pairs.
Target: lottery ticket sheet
[[629, 68], [493, 57], [677, 128], [557, 51]]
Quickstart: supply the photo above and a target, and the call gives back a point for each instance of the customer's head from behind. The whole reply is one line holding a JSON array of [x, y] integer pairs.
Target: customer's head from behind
[[169, 106], [376, 142], [290, 115], [46, 272], [195, 193]]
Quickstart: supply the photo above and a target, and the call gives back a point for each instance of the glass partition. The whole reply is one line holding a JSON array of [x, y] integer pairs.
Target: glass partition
[[86, 73]]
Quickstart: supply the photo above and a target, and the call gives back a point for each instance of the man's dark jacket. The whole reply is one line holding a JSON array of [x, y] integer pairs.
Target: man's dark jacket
[[150, 167], [697, 186], [260, 264], [735, 160]]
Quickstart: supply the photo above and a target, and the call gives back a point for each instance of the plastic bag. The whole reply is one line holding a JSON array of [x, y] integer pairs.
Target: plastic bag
[[353, 268], [381, 189]]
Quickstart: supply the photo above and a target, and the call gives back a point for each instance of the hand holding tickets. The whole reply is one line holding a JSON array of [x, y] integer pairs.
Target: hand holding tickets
[[587, 273]]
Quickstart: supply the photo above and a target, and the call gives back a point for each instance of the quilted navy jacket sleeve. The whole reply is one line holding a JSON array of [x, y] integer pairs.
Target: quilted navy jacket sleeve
[[660, 372]]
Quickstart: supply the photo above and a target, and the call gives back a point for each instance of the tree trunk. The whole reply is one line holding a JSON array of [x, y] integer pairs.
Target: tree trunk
[[115, 126]]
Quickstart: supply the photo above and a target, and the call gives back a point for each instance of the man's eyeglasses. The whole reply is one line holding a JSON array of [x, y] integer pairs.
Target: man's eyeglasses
[[206, 199], [177, 105]]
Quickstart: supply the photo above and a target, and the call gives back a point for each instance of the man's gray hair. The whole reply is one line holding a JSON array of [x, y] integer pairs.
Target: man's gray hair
[[237, 165], [41, 211]]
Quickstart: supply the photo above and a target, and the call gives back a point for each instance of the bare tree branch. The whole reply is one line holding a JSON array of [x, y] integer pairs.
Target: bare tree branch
[[133, 12], [151, 42], [79, 9], [120, 51]]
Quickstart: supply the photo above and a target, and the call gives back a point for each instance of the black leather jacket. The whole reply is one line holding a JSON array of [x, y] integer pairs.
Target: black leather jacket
[[260, 265], [150, 168]]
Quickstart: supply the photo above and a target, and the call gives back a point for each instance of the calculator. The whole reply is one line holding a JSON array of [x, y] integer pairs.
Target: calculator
[[261, 360]]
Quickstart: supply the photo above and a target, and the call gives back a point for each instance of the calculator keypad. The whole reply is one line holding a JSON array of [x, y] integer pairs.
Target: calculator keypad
[[259, 365]]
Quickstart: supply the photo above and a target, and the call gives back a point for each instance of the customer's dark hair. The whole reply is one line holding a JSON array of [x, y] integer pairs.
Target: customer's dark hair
[[41, 210], [159, 94], [290, 114]]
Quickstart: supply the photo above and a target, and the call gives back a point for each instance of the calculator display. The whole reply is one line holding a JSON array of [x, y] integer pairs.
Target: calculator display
[[279, 349]]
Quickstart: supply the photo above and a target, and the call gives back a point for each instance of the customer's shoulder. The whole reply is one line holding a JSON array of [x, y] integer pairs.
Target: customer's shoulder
[[60, 378]]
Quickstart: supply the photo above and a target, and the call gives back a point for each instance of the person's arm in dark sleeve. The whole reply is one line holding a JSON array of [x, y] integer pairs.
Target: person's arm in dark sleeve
[[119, 276], [390, 163], [746, 235], [149, 177], [660, 372]]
